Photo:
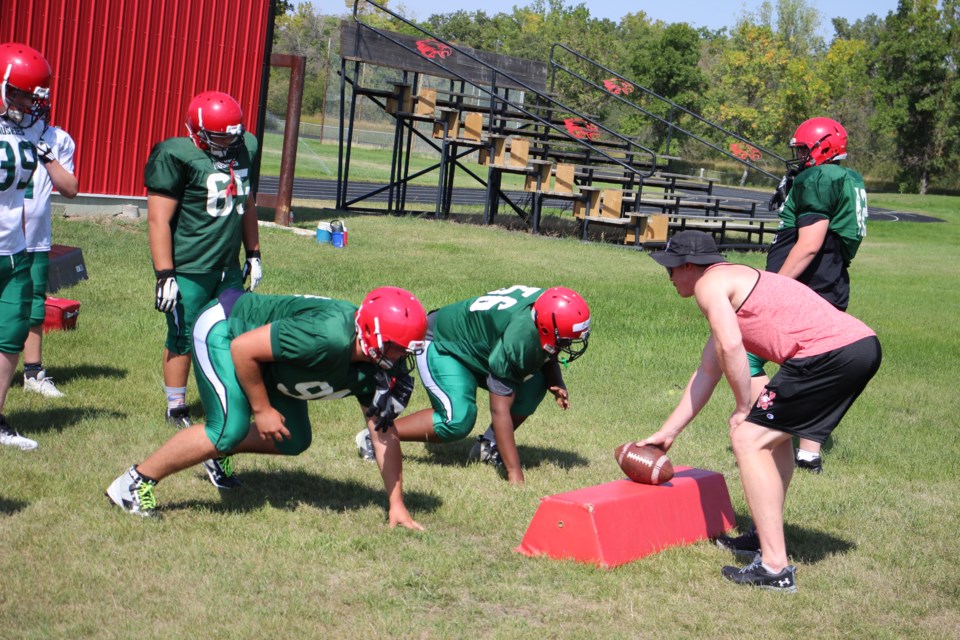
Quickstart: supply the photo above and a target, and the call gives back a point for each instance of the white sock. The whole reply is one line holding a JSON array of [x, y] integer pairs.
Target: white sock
[[807, 456], [768, 569]]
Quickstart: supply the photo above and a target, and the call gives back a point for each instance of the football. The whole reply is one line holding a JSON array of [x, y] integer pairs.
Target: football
[[644, 464]]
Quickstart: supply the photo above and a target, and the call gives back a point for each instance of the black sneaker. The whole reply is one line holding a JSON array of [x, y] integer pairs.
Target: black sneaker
[[747, 543], [486, 452], [221, 473], [179, 417], [755, 575], [813, 466]]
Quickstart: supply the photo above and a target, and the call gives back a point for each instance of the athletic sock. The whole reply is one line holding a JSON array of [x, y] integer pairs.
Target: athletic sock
[[807, 456], [176, 396], [32, 369], [488, 435]]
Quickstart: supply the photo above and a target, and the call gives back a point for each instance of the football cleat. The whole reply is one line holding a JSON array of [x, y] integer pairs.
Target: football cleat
[[133, 493], [486, 452], [756, 575], [9, 437], [42, 385], [179, 417], [365, 445], [221, 474]]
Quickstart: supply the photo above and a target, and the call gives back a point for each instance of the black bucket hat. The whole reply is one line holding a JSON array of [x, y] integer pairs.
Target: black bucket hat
[[693, 247]]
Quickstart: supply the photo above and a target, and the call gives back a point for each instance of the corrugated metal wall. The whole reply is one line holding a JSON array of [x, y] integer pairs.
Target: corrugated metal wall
[[124, 72]]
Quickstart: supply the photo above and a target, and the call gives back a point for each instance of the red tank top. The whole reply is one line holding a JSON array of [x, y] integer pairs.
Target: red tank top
[[783, 319]]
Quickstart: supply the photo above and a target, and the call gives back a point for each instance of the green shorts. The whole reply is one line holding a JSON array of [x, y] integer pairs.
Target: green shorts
[[227, 411], [196, 292], [453, 393], [15, 292], [39, 271]]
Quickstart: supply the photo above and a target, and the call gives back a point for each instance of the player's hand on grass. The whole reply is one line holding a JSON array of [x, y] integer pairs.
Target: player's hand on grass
[[561, 396], [270, 425]]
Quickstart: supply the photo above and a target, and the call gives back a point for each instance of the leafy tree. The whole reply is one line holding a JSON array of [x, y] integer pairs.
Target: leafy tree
[[913, 89]]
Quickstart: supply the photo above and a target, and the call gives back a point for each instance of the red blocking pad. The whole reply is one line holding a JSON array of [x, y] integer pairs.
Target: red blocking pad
[[618, 522]]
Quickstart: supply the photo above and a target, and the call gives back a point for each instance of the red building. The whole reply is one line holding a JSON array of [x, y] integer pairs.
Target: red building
[[124, 72]]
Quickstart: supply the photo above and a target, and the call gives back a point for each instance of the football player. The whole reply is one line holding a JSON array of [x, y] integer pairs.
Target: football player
[[511, 343], [823, 220], [24, 99], [199, 212], [38, 229], [261, 358]]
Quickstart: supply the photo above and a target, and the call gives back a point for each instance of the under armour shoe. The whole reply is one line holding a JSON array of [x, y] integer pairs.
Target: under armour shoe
[[813, 466], [42, 385], [486, 452], [10, 437], [756, 575], [221, 473], [747, 543], [133, 493], [365, 445], [179, 417]]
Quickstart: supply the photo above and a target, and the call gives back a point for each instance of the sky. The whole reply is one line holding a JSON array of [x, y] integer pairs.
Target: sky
[[713, 14]]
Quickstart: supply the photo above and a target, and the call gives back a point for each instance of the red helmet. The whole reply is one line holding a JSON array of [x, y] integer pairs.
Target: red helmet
[[25, 76], [215, 123], [818, 141], [391, 316], [563, 322]]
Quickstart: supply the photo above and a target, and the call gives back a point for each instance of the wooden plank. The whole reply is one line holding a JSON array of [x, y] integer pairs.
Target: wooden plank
[[399, 51], [612, 203], [473, 126], [564, 178], [426, 101], [519, 152]]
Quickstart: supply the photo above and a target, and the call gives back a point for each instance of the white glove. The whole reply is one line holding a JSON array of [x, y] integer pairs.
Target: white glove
[[254, 269], [167, 291]]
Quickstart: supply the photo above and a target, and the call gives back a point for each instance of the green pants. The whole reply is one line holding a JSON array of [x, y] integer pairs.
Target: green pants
[[196, 292]]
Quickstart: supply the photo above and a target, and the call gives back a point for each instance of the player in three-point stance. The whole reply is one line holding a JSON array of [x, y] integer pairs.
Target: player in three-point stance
[[261, 358], [509, 342], [199, 212]]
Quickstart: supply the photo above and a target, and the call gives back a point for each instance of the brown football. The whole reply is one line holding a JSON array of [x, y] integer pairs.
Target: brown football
[[644, 464]]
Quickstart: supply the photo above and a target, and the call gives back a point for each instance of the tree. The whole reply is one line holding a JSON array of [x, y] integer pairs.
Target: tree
[[914, 63]]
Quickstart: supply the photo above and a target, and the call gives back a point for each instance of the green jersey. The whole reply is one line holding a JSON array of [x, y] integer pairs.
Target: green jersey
[[493, 334], [825, 192], [312, 341], [833, 192], [207, 230]]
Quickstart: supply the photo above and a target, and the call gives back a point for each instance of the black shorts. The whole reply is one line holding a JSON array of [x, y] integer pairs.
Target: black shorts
[[809, 396]]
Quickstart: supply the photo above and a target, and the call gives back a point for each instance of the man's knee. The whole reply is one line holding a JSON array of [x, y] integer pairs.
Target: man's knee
[[458, 428]]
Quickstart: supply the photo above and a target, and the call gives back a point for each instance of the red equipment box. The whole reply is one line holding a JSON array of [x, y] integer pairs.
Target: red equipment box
[[61, 314]]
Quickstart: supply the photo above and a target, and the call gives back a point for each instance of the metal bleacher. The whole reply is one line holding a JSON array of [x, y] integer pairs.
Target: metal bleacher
[[489, 115]]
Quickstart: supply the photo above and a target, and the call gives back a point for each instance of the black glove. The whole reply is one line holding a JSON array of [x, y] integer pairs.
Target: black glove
[[390, 399], [780, 195], [167, 290], [44, 152]]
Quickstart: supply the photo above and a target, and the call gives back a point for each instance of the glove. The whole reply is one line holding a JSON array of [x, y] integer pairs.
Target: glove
[[44, 152], [253, 269], [390, 399], [780, 195], [167, 290]]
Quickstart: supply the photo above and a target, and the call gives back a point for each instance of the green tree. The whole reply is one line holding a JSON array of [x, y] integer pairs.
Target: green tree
[[915, 71]]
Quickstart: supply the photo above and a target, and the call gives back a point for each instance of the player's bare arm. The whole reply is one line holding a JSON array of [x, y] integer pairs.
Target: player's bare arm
[[250, 229], [160, 211], [555, 385], [63, 181], [500, 407], [249, 351], [810, 240], [386, 447]]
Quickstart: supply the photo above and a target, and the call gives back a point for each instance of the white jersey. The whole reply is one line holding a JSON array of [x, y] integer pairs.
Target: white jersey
[[36, 205], [18, 160]]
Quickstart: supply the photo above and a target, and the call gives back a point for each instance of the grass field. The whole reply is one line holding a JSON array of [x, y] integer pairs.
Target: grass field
[[302, 549]]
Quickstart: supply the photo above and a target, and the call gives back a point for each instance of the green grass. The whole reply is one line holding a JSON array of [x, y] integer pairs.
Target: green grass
[[302, 550]]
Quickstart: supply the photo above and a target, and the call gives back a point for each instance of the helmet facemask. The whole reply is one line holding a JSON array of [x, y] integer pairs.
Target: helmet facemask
[[377, 348], [223, 146], [572, 347], [15, 101]]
